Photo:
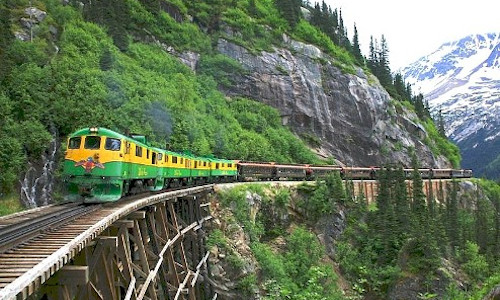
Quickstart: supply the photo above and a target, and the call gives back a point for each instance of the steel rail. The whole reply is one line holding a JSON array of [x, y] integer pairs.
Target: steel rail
[[14, 234], [25, 284]]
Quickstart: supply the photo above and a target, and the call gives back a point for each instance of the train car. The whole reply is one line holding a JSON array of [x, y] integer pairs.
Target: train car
[[317, 171], [101, 165], [293, 172], [256, 170], [359, 172], [461, 173], [223, 170]]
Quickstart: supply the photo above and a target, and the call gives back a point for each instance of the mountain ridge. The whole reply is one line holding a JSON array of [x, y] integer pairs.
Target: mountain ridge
[[461, 79]]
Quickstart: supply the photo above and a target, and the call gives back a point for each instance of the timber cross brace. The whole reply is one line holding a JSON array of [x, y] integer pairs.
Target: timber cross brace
[[157, 252]]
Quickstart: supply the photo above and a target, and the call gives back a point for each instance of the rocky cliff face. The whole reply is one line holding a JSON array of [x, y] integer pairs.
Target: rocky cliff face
[[352, 115]]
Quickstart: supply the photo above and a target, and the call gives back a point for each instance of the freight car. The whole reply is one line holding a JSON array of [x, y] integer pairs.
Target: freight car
[[102, 165]]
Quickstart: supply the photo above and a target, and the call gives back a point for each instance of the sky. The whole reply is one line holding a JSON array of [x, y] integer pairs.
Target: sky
[[416, 28]]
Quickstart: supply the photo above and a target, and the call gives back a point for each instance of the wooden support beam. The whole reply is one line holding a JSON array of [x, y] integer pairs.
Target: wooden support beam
[[74, 275], [136, 215]]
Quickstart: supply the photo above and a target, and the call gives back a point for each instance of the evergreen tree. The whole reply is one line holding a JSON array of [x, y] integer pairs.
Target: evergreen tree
[[6, 38], [290, 10], [356, 51], [452, 215], [402, 207], [481, 222], [424, 250], [418, 102], [335, 187], [252, 9], [495, 199], [373, 56], [400, 87], [418, 201], [384, 223], [440, 124], [430, 200], [316, 16], [385, 76]]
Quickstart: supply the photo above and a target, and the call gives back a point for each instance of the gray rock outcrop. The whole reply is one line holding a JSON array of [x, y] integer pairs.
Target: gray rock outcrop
[[351, 114]]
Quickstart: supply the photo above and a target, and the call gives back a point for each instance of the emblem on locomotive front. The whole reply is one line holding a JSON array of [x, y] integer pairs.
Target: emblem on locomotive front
[[89, 164]]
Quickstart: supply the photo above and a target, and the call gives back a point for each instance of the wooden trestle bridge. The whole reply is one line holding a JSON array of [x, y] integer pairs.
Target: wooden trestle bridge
[[143, 248], [148, 247]]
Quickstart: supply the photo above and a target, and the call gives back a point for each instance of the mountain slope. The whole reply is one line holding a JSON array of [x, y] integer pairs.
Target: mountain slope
[[462, 78]]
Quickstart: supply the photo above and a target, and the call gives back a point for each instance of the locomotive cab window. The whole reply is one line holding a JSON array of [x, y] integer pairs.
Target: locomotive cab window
[[174, 159], [217, 165], [160, 157], [92, 142], [75, 142], [112, 144]]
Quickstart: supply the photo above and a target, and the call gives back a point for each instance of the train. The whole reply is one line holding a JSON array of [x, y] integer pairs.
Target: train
[[101, 165]]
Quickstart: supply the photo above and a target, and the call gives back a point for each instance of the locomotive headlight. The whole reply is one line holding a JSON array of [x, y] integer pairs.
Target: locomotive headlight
[[93, 129]]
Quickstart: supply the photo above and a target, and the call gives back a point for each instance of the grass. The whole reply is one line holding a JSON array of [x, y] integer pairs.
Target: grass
[[9, 205]]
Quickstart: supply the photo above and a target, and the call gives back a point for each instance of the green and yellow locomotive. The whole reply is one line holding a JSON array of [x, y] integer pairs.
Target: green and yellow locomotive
[[102, 165]]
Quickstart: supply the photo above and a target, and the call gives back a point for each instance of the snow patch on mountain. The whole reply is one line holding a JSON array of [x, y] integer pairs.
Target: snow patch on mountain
[[462, 79]]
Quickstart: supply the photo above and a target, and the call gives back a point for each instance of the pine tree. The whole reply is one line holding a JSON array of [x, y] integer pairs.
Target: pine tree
[[373, 56], [418, 102], [418, 201], [440, 124], [316, 16], [481, 222], [402, 205], [6, 38], [452, 215], [385, 221], [385, 76], [252, 9], [400, 87], [335, 188], [290, 10], [356, 51], [430, 200]]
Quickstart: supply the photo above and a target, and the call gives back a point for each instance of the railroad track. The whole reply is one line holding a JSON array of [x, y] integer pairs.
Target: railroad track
[[37, 254], [18, 230]]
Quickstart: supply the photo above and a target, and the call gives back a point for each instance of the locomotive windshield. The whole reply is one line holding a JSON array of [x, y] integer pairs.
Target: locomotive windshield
[[74, 142], [112, 144], [92, 142]]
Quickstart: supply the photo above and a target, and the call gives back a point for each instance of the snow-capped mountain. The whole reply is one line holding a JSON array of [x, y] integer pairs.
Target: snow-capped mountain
[[462, 78]]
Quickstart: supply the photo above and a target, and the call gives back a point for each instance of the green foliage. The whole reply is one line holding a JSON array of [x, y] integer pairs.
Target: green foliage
[[310, 34], [440, 145], [236, 198], [222, 68], [282, 197], [9, 205], [474, 264], [250, 32], [180, 35], [216, 238], [248, 285]]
